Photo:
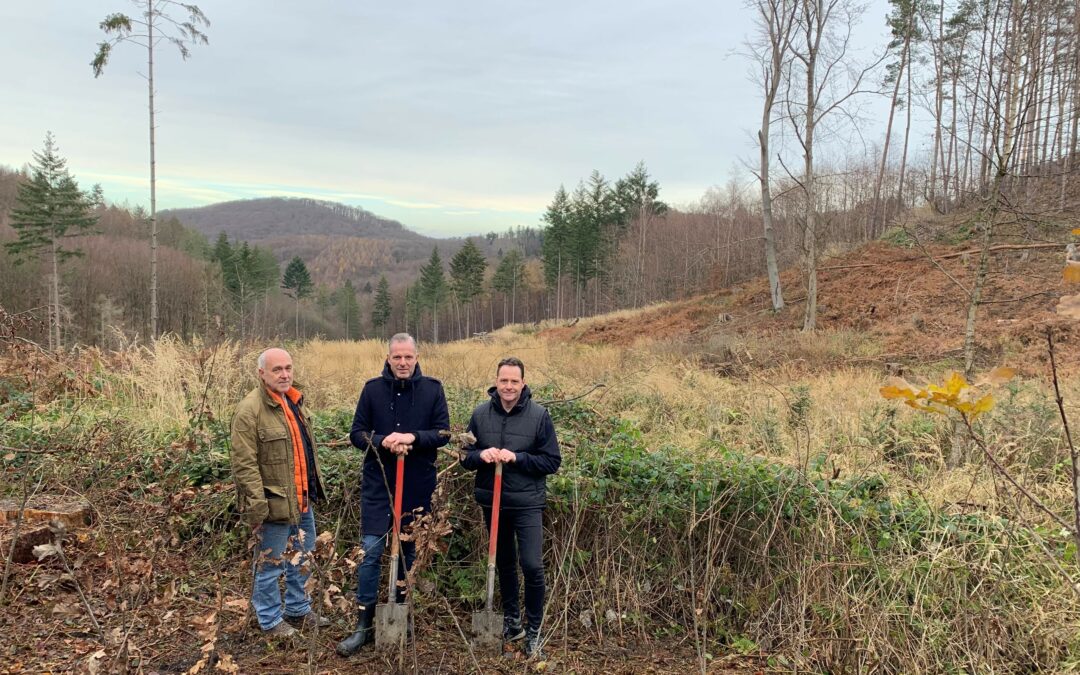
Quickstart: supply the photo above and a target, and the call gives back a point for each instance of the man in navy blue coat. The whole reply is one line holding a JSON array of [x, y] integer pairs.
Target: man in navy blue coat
[[400, 412]]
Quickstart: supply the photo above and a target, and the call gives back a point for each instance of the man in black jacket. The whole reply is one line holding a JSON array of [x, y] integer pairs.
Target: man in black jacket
[[400, 412], [513, 430]]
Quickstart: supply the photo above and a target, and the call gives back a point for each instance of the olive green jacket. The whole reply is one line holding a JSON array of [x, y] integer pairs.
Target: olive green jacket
[[262, 460]]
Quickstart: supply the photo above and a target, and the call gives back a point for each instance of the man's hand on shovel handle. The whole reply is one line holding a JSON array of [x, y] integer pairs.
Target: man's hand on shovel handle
[[497, 455]]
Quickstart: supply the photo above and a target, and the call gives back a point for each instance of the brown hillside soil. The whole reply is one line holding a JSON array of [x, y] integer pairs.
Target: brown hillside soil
[[46, 629], [687, 316], [896, 296]]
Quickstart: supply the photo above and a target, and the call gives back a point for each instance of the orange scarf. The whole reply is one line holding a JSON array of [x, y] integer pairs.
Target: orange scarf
[[300, 474]]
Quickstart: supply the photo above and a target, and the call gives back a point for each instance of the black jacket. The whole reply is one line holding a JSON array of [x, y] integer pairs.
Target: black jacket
[[415, 406], [528, 432]]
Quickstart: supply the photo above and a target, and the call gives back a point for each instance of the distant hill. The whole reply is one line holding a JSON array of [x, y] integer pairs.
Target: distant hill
[[337, 241], [254, 220]]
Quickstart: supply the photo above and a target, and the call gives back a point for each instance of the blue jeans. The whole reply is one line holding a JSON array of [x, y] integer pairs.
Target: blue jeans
[[367, 575], [521, 538], [277, 542]]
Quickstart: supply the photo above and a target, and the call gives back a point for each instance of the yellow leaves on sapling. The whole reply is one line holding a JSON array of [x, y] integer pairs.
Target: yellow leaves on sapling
[[1071, 272], [955, 393]]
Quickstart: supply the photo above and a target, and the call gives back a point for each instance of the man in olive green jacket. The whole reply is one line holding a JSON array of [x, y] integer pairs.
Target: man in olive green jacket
[[277, 479]]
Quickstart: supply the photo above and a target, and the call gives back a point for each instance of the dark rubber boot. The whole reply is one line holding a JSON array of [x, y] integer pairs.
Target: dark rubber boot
[[364, 633]]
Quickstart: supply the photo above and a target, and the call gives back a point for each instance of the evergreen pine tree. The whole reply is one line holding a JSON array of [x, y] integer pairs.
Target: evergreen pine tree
[[380, 313], [48, 208], [297, 284], [433, 289], [467, 276], [507, 280], [556, 247], [347, 307]]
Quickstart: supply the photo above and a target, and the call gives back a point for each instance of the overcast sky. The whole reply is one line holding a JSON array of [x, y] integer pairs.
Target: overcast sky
[[452, 117]]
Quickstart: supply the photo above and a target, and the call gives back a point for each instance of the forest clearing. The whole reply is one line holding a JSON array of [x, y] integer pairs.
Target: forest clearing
[[795, 519]]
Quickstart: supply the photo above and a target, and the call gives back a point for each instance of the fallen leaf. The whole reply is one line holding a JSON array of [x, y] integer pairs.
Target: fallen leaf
[[93, 663], [226, 665], [42, 551]]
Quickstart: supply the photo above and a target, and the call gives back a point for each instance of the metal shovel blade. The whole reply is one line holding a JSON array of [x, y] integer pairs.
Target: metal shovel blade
[[391, 624], [487, 627]]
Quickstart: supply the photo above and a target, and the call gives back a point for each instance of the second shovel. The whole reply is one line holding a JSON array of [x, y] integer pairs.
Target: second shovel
[[487, 624], [392, 618]]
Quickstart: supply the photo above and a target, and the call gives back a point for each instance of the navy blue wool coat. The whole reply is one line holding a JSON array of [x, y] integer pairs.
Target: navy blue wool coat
[[414, 406]]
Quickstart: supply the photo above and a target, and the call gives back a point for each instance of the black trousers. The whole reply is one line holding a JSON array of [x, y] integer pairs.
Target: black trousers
[[521, 539]]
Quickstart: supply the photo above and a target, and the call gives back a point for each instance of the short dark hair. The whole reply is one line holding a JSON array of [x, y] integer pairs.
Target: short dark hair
[[511, 361]]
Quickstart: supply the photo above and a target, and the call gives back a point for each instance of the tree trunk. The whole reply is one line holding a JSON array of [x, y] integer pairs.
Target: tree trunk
[[952, 161], [772, 269], [939, 58], [810, 231], [54, 291], [907, 137], [153, 175], [878, 225], [990, 212]]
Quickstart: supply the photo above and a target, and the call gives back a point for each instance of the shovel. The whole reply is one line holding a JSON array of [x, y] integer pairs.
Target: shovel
[[487, 624], [392, 618]]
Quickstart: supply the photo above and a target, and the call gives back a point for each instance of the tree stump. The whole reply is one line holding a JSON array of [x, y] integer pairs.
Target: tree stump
[[30, 535], [34, 529]]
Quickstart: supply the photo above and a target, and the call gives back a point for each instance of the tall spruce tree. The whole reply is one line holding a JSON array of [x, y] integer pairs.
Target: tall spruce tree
[[507, 280], [147, 30], [433, 289], [557, 244], [380, 313], [467, 277], [414, 309], [595, 218], [297, 285], [636, 200], [48, 208], [348, 308]]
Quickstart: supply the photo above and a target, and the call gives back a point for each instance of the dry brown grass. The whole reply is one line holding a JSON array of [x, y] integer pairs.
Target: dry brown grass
[[673, 392]]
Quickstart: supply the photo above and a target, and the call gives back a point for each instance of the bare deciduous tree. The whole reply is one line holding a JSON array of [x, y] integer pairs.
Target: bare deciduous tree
[[775, 23], [823, 57]]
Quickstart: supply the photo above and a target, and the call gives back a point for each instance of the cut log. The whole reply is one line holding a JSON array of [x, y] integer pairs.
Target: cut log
[[72, 512]]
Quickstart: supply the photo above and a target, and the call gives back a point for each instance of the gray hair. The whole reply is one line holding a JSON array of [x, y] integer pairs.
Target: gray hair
[[261, 362], [401, 337]]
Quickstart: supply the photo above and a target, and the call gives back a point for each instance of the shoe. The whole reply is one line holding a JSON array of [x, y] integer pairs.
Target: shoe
[[282, 630], [364, 633], [533, 643], [512, 629], [309, 620]]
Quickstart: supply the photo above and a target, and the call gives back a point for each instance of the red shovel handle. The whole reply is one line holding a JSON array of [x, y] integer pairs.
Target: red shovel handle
[[496, 498], [399, 484]]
